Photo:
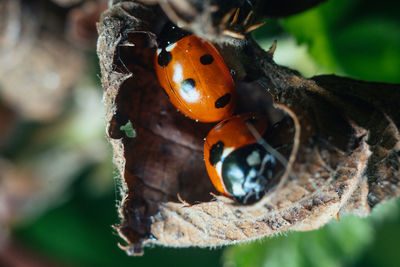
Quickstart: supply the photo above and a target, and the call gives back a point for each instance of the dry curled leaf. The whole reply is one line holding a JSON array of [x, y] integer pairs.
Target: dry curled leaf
[[341, 139]]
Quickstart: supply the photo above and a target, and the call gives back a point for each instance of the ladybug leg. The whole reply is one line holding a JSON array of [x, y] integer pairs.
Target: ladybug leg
[[184, 202], [220, 198]]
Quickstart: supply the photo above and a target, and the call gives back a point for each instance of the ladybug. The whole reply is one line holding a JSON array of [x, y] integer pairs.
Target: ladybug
[[238, 166], [194, 75]]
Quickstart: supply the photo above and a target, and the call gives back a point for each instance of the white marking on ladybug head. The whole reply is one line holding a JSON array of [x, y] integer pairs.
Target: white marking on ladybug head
[[236, 175], [254, 158], [218, 168], [226, 152]]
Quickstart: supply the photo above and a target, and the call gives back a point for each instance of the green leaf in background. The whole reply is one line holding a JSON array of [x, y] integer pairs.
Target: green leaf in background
[[333, 245], [353, 241], [369, 49], [360, 39]]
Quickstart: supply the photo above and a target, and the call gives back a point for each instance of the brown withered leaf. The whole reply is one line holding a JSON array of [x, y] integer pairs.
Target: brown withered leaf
[[340, 140]]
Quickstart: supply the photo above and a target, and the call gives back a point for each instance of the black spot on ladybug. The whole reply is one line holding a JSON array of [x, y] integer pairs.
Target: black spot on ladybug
[[223, 101], [216, 152], [164, 58], [188, 85], [206, 59]]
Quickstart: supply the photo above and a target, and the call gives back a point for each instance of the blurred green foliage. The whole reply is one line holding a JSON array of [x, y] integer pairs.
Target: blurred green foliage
[[353, 241], [358, 38]]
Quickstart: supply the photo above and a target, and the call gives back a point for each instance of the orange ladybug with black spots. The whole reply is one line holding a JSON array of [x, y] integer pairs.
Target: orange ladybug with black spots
[[194, 75], [238, 165]]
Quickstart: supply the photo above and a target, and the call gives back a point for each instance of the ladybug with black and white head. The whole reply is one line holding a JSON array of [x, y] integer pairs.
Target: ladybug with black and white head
[[238, 165], [194, 75]]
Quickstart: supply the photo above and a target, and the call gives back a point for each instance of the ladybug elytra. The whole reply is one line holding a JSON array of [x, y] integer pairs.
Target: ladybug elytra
[[194, 75]]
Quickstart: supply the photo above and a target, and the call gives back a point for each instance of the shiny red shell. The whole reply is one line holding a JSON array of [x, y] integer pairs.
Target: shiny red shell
[[226, 137], [196, 79]]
